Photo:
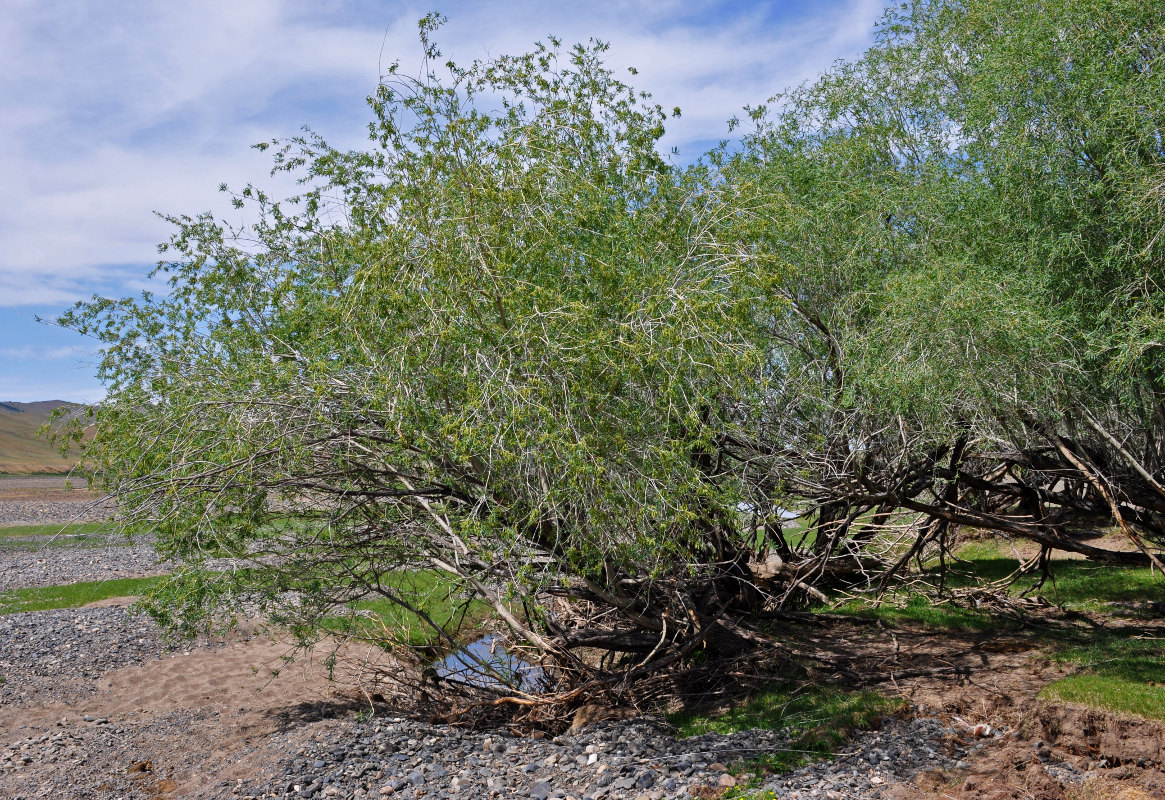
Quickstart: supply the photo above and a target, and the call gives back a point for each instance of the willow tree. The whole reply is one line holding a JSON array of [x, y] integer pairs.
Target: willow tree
[[965, 224], [494, 346], [509, 344]]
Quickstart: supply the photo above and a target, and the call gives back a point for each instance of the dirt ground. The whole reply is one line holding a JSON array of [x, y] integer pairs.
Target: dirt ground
[[982, 682], [235, 710], [191, 721], [225, 710]]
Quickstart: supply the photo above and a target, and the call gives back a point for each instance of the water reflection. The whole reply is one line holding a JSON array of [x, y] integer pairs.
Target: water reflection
[[485, 663]]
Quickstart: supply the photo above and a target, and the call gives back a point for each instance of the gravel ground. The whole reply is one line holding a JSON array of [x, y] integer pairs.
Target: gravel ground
[[54, 656], [27, 562], [635, 759], [47, 652], [48, 655], [49, 500], [52, 659], [39, 512]]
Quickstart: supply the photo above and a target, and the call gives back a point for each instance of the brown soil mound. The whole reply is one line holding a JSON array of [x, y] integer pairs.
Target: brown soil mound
[[1099, 736], [979, 678]]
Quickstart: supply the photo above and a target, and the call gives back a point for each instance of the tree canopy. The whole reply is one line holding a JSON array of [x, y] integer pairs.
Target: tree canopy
[[512, 344], [967, 236]]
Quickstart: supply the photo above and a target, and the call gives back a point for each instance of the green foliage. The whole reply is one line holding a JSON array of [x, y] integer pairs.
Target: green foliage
[[746, 794], [193, 600], [966, 222], [489, 344], [72, 595], [510, 342]]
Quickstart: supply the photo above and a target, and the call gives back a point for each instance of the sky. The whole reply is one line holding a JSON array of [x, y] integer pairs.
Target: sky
[[115, 111]]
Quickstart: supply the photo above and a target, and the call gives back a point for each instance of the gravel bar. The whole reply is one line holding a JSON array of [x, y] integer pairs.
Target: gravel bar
[[43, 651], [640, 759], [49, 656], [39, 512], [49, 500], [51, 564]]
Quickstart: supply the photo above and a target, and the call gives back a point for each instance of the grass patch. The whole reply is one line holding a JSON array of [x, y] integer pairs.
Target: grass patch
[[56, 529], [920, 610], [41, 537], [431, 592], [1117, 672], [1133, 659], [72, 595], [792, 531], [1076, 584], [817, 720], [1121, 674], [1085, 586], [1113, 693]]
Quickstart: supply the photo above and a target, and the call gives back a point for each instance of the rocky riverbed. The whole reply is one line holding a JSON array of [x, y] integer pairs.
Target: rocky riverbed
[[52, 656], [60, 661], [43, 563], [58, 554], [631, 759], [58, 667], [94, 704], [49, 500]]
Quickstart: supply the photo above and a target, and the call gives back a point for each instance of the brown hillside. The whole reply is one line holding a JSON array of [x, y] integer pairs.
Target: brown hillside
[[22, 452]]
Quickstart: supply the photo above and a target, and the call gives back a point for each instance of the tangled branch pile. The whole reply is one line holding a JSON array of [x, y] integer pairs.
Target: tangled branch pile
[[512, 345]]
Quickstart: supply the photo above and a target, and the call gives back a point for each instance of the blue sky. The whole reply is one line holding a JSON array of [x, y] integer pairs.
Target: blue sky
[[115, 110]]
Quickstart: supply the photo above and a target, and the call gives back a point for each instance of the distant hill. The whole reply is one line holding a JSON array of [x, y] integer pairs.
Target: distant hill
[[22, 452]]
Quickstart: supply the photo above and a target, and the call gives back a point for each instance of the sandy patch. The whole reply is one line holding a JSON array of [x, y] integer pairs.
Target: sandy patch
[[182, 725]]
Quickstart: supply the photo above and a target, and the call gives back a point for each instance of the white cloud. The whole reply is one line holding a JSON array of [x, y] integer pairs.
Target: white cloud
[[52, 353], [116, 109], [81, 389]]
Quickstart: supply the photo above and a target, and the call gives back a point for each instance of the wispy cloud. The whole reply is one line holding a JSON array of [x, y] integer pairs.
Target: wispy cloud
[[52, 353], [79, 389], [117, 109]]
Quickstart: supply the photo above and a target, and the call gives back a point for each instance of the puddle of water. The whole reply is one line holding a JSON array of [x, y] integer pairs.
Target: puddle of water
[[485, 663]]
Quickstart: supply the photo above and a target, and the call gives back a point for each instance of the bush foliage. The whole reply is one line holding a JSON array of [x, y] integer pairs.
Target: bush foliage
[[511, 342]]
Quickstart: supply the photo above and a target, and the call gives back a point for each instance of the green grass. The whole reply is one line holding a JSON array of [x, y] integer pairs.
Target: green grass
[[429, 591], [918, 609], [70, 595], [791, 531], [41, 537], [1120, 656], [1085, 586], [1118, 673], [1099, 690], [56, 529], [1076, 584], [817, 720]]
